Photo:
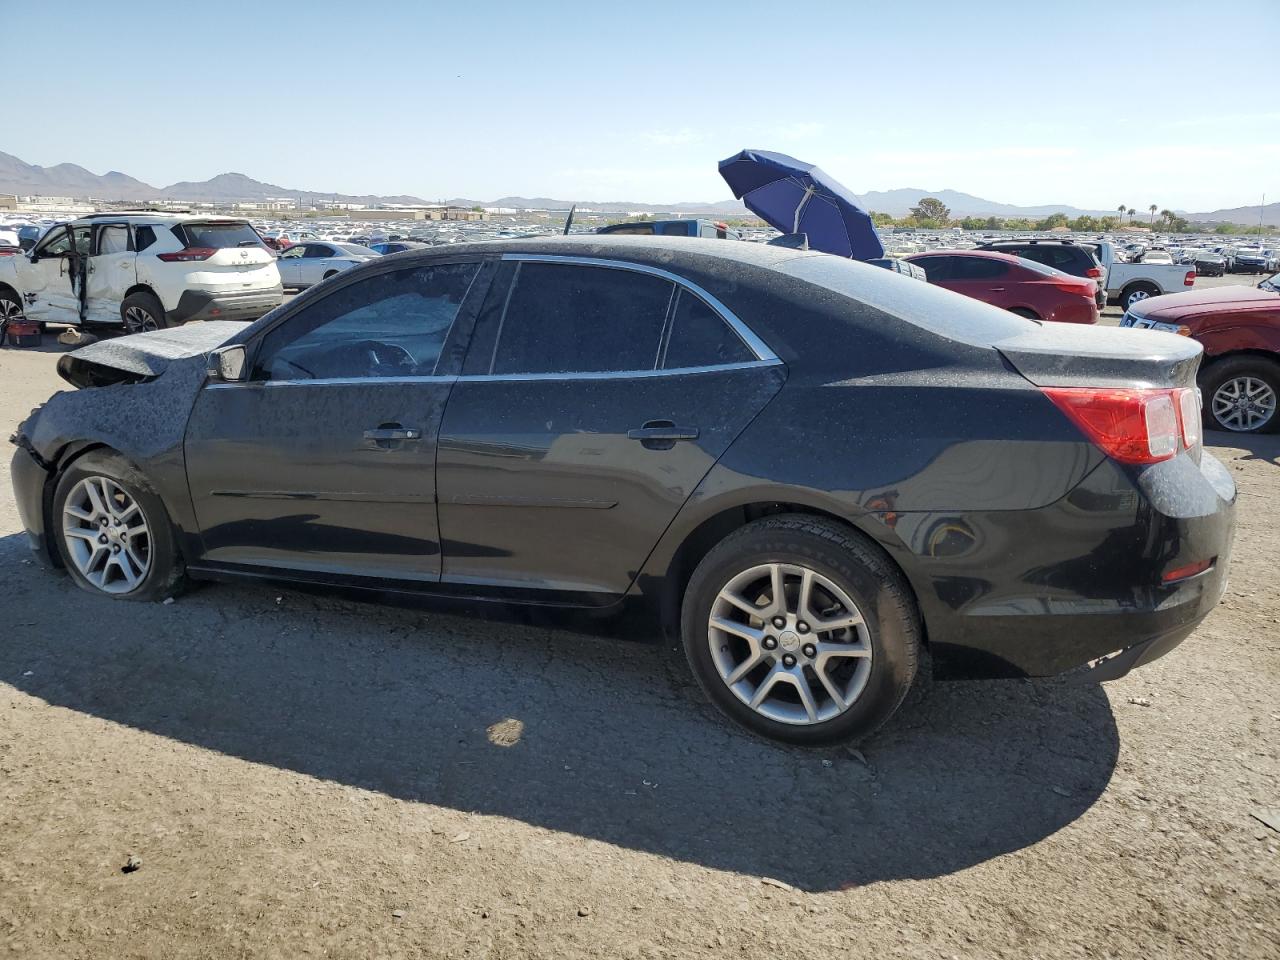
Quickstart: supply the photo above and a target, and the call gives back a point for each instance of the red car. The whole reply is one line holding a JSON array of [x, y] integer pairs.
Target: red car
[[1024, 287], [1239, 328]]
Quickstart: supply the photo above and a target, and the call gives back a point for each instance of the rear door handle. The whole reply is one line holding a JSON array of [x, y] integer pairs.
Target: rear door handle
[[997, 289], [393, 433], [662, 434]]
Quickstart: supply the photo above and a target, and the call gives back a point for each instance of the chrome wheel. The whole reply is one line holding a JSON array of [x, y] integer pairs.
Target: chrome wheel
[[106, 535], [139, 320], [9, 309], [1137, 297], [1244, 403], [789, 643]]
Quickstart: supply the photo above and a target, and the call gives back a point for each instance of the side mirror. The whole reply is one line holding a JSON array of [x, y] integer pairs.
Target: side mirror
[[228, 363]]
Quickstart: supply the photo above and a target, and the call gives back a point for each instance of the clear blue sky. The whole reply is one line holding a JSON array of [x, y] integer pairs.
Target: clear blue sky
[[1086, 103]]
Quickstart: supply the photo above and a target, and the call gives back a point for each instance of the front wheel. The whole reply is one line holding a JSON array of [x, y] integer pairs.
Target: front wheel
[[113, 532], [1136, 293], [800, 630], [1241, 394]]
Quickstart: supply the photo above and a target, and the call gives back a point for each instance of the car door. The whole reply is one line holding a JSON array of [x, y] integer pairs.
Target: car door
[[47, 277], [323, 461], [595, 397], [984, 278], [289, 263], [112, 271], [316, 260]]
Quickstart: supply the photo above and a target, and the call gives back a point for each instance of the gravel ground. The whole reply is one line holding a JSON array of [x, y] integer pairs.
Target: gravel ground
[[300, 775]]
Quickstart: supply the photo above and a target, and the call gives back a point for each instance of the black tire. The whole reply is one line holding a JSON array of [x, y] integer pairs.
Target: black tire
[[1137, 292], [1024, 312], [861, 570], [142, 313], [331, 273], [1233, 368], [164, 575]]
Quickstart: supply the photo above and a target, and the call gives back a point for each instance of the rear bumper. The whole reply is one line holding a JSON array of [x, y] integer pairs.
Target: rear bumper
[[229, 305], [1080, 583]]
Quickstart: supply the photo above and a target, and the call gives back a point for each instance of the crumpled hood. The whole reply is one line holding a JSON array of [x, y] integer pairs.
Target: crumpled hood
[[143, 355]]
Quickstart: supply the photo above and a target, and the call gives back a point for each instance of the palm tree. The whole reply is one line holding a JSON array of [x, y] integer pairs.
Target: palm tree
[[1168, 216], [1120, 210], [1131, 213], [1152, 210]]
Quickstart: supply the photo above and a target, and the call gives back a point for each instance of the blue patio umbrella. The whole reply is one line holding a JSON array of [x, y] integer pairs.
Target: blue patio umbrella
[[797, 197]]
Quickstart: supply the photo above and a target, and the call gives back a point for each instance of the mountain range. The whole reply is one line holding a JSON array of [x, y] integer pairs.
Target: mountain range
[[69, 179]]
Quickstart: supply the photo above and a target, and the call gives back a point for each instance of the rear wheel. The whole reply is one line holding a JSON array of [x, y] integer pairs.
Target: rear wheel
[[800, 630], [1241, 395], [142, 313], [1137, 292], [113, 532]]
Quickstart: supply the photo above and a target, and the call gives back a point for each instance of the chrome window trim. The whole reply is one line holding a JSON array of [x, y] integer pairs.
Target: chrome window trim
[[748, 336], [340, 381]]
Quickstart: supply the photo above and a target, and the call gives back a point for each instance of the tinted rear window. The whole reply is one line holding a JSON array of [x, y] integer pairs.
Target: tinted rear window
[[932, 308], [217, 235]]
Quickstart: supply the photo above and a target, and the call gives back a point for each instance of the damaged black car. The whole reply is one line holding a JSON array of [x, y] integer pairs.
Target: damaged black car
[[813, 471]]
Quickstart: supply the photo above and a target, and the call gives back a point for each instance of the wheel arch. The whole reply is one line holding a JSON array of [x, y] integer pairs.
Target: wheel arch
[[682, 554], [66, 458]]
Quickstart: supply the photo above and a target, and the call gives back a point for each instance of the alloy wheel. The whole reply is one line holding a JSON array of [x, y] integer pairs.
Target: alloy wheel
[[1137, 297], [139, 320], [106, 535], [790, 643], [9, 309], [1243, 404]]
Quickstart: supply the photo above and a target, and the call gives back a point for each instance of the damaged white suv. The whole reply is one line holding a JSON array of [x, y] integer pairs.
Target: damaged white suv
[[144, 271]]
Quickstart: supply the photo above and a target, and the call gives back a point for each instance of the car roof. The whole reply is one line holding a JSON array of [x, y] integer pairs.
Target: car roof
[[983, 254], [663, 251], [155, 216]]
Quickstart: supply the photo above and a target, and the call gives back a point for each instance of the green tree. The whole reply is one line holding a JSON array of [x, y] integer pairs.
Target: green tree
[[1152, 210], [1121, 209], [1083, 224], [1131, 212], [1053, 220], [881, 219], [931, 208], [992, 223], [1226, 228], [1107, 224], [973, 223]]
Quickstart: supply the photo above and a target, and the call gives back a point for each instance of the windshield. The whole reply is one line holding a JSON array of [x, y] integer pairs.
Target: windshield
[[1272, 283]]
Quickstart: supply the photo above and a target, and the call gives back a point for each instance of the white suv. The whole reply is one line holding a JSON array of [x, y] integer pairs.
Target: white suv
[[144, 271]]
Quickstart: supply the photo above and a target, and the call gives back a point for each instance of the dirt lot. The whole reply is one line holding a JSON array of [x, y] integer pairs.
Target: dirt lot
[[306, 776]]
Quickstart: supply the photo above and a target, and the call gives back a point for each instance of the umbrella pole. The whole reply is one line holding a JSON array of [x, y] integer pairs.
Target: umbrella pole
[[804, 202]]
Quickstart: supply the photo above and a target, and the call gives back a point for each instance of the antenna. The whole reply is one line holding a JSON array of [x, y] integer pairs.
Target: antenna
[[569, 219]]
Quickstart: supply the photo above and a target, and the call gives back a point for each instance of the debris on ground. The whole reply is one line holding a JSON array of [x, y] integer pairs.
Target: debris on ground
[[462, 837], [1140, 701], [584, 911], [397, 914], [1270, 817], [857, 755], [71, 337], [168, 600], [132, 864], [771, 882]]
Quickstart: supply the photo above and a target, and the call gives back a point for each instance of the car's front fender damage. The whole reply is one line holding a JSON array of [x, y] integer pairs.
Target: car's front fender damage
[[143, 421]]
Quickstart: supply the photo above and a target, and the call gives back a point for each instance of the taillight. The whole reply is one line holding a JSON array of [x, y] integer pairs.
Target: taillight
[[1078, 287], [1190, 279], [1189, 403], [188, 254], [1094, 272], [1132, 426]]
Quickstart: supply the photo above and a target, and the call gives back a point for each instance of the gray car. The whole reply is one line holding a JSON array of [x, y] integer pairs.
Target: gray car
[[306, 264]]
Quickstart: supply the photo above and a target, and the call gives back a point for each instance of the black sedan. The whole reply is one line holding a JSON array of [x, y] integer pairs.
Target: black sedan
[[813, 470]]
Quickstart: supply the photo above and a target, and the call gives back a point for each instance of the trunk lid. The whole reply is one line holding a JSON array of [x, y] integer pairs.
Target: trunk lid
[[142, 356], [1064, 355]]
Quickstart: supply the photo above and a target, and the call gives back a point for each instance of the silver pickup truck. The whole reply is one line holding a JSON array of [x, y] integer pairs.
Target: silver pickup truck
[[1127, 283]]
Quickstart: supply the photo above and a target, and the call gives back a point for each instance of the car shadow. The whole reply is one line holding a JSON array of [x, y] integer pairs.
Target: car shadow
[[594, 736], [1258, 446]]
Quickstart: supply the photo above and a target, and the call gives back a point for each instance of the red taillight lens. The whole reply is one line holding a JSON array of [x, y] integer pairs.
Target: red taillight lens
[[187, 254], [1132, 426], [1095, 272], [1190, 570], [1190, 279], [1077, 287]]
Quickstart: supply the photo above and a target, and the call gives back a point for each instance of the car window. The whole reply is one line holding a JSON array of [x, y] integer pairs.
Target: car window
[[82, 237], [318, 251], [675, 229], [143, 237], [217, 236], [294, 252], [700, 337], [936, 268], [113, 239], [388, 325], [978, 268], [56, 244], [566, 318]]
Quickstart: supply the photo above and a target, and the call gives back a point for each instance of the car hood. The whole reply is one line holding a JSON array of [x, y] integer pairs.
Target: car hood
[[142, 356], [1208, 300]]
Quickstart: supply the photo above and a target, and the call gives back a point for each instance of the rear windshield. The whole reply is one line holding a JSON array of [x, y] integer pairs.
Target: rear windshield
[[940, 311], [359, 251], [219, 236], [1043, 268]]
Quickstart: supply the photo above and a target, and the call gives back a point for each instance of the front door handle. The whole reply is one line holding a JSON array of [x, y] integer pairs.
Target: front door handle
[[997, 289], [661, 434]]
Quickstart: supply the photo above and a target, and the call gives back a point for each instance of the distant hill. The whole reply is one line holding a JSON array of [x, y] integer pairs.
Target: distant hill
[[68, 179], [1245, 216]]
